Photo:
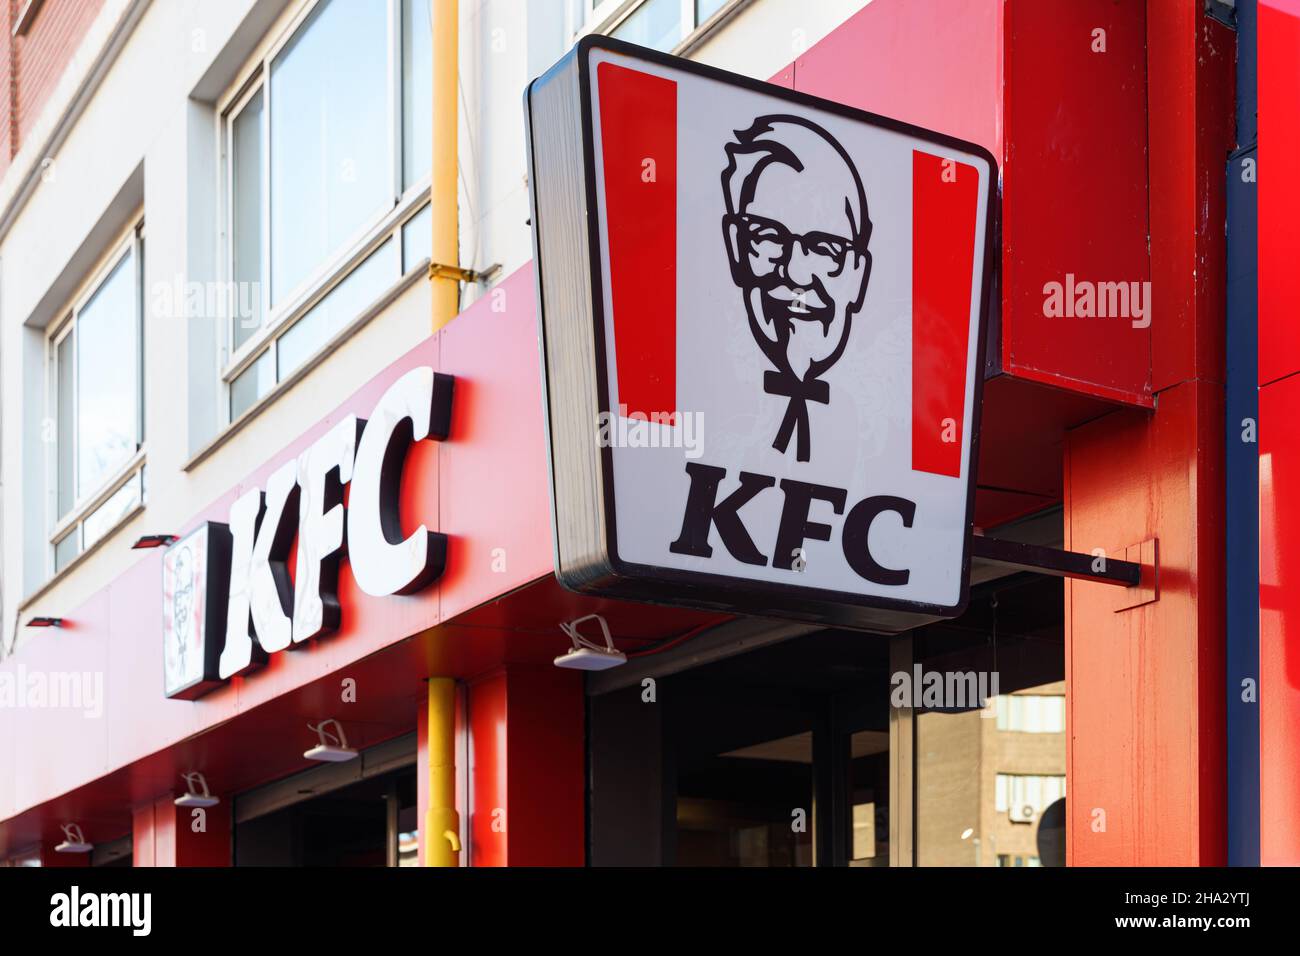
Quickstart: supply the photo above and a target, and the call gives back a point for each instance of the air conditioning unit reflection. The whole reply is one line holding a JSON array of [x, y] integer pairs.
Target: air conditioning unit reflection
[[1022, 813]]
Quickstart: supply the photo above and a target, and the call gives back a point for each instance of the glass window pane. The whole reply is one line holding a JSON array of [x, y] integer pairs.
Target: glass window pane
[[981, 788], [107, 387], [869, 795], [246, 214], [65, 376], [417, 239], [341, 305], [252, 383], [417, 90], [108, 515], [66, 549], [656, 24], [331, 152], [1033, 721], [706, 8]]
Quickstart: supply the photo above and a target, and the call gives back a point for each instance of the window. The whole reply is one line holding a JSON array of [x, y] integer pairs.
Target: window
[[95, 363], [328, 152], [1031, 713], [658, 24], [1015, 791]]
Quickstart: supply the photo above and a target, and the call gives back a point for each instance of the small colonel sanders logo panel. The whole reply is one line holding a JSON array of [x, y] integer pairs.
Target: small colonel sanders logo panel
[[791, 322]]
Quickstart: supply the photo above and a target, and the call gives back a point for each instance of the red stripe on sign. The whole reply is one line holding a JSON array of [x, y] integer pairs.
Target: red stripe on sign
[[945, 204], [638, 133]]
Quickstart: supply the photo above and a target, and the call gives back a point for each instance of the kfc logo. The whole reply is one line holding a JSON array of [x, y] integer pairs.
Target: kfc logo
[[797, 230], [831, 345], [229, 599]]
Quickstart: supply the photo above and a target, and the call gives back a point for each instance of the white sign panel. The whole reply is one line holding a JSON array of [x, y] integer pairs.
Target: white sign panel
[[764, 379]]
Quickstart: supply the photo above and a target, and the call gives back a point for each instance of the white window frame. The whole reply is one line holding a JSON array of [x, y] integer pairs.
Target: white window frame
[[131, 244], [606, 16], [386, 224]]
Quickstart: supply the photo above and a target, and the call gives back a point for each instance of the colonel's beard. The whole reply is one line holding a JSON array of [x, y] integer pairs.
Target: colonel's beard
[[806, 340]]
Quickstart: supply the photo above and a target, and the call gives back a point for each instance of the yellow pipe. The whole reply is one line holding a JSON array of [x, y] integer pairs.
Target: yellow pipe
[[441, 835], [445, 251]]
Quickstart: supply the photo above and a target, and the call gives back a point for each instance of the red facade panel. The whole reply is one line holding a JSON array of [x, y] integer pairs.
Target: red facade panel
[[1279, 189], [1279, 621], [1074, 210], [1145, 722], [934, 63], [1279, 433], [1191, 66], [1064, 108]]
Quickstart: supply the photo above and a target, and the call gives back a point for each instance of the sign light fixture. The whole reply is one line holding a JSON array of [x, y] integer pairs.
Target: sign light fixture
[[586, 655], [198, 795], [333, 746], [73, 840]]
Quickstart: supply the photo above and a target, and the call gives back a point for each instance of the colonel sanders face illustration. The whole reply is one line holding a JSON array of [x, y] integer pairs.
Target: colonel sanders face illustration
[[796, 229]]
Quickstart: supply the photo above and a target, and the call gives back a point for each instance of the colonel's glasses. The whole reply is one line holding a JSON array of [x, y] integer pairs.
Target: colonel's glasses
[[771, 240]]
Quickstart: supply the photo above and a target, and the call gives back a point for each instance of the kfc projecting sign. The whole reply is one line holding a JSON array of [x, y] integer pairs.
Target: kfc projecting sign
[[762, 318], [228, 597]]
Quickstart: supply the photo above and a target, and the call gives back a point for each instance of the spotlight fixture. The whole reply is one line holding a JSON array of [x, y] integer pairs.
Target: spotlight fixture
[[73, 840], [586, 656], [45, 622], [147, 541], [333, 746], [199, 795]]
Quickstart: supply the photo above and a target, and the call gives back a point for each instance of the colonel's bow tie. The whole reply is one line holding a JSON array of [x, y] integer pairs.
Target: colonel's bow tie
[[800, 392]]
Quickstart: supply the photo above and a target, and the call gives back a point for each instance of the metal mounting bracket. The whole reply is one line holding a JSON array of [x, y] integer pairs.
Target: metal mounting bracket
[[438, 270], [1054, 561]]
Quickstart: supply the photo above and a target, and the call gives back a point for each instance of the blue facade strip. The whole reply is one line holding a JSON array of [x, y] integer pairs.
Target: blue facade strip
[[1242, 465], [1242, 515]]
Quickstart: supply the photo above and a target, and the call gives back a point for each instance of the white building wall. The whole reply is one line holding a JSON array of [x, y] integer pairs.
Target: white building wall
[[147, 140]]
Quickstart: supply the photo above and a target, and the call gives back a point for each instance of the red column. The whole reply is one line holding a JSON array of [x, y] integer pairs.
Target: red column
[[527, 759], [164, 834], [1146, 752], [1146, 759], [521, 760]]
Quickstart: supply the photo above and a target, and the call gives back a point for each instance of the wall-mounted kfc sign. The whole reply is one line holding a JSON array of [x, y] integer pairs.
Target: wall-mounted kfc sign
[[762, 317], [229, 599]]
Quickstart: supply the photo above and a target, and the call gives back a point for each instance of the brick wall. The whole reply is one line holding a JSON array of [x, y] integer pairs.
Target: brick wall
[[30, 64], [7, 10]]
